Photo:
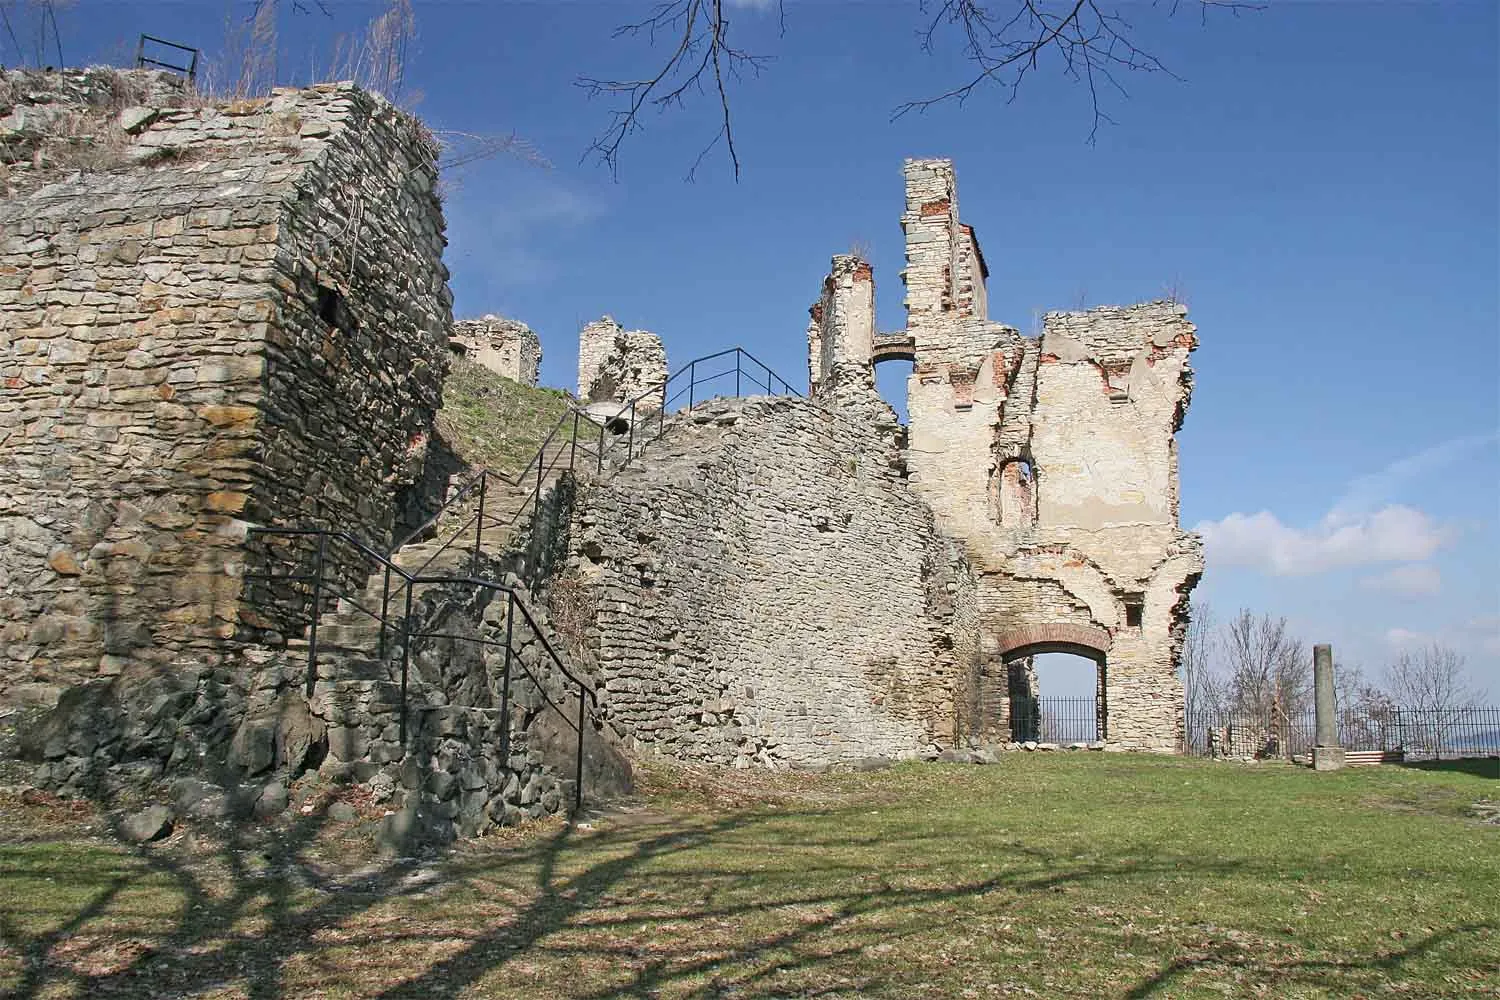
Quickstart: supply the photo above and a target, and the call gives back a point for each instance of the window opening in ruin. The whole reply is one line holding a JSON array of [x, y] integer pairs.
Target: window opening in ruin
[[1057, 698], [1016, 493], [891, 377], [1135, 608], [328, 305]]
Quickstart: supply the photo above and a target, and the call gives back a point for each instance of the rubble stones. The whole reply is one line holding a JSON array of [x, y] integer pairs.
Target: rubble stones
[[146, 825]]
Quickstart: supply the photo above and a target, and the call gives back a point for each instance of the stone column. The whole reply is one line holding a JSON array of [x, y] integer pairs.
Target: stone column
[[1327, 754]]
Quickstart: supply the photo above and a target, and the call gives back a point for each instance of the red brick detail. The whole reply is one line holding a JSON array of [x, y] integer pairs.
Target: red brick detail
[[863, 272], [939, 207], [999, 369], [1085, 639]]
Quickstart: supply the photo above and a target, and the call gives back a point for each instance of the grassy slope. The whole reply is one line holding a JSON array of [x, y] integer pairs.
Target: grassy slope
[[1046, 875], [494, 422]]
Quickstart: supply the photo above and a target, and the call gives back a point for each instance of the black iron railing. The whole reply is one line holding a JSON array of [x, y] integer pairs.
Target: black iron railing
[[1419, 733], [321, 587], [581, 440], [1055, 720], [144, 58]]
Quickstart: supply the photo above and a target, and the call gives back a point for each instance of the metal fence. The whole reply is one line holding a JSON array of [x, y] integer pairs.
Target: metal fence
[[1055, 720], [1422, 734]]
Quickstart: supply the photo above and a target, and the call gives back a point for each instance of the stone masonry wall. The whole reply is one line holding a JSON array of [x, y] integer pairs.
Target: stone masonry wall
[[506, 347], [617, 365], [237, 313], [841, 344], [765, 590]]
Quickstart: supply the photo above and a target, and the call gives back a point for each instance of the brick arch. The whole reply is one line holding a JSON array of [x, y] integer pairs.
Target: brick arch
[[1084, 640], [893, 347]]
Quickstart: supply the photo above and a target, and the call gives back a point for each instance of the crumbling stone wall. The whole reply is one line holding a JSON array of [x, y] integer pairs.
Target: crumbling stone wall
[[764, 589], [617, 365], [238, 315], [506, 347], [841, 344], [1052, 458]]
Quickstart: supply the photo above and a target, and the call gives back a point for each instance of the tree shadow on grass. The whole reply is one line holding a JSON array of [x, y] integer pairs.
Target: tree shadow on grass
[[1480, 767], [1225, 959], [676, 905]]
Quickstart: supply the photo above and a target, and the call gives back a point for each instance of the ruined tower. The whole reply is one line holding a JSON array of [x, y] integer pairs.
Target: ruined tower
[[1052, 458]]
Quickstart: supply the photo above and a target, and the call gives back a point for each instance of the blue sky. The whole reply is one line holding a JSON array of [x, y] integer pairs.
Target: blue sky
[[1320, 186]]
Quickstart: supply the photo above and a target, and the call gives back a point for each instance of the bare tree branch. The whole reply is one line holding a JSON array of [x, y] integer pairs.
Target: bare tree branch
[[702, 57], [1004, 40], [1007, 41], [1430, 680]]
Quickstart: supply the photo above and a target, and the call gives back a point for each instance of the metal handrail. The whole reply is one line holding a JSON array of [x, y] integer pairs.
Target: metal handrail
[[514, 604], [479, 485], [538, 467]]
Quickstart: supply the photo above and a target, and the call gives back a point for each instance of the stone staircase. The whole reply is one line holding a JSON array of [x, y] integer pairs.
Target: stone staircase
[[351, 628]]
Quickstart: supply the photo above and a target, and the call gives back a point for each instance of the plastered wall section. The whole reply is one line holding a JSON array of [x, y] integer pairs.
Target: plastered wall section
[[1054, 459], [1112, 386], [766, 590], [166, 373], [506, 347]]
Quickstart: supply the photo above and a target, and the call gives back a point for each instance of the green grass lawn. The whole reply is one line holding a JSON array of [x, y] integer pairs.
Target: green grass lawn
[[1049, 875]]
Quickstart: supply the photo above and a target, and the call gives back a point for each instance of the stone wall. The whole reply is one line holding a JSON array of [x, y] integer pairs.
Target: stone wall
[[250, 724], [617, 365], [841, 344], [236, 315], [506, 347], [764, 589]]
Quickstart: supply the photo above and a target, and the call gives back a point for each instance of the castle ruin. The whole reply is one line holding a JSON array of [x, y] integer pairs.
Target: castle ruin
[[224, 335], [1052, 458], [507, 347]]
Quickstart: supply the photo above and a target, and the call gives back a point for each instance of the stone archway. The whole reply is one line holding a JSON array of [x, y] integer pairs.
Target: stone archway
[[1084, 640], [1016, 648]]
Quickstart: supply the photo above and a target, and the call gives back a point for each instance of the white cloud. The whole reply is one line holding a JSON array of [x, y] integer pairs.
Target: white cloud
[[1411, 580], [1394, 533], [1406, 637]]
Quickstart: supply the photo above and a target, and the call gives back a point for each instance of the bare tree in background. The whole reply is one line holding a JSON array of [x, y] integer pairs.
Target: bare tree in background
[[1366, 712], [1204, 690], [31, 30], [1268, 670], [1002, 41], [1430, 687], [1431, 679]]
